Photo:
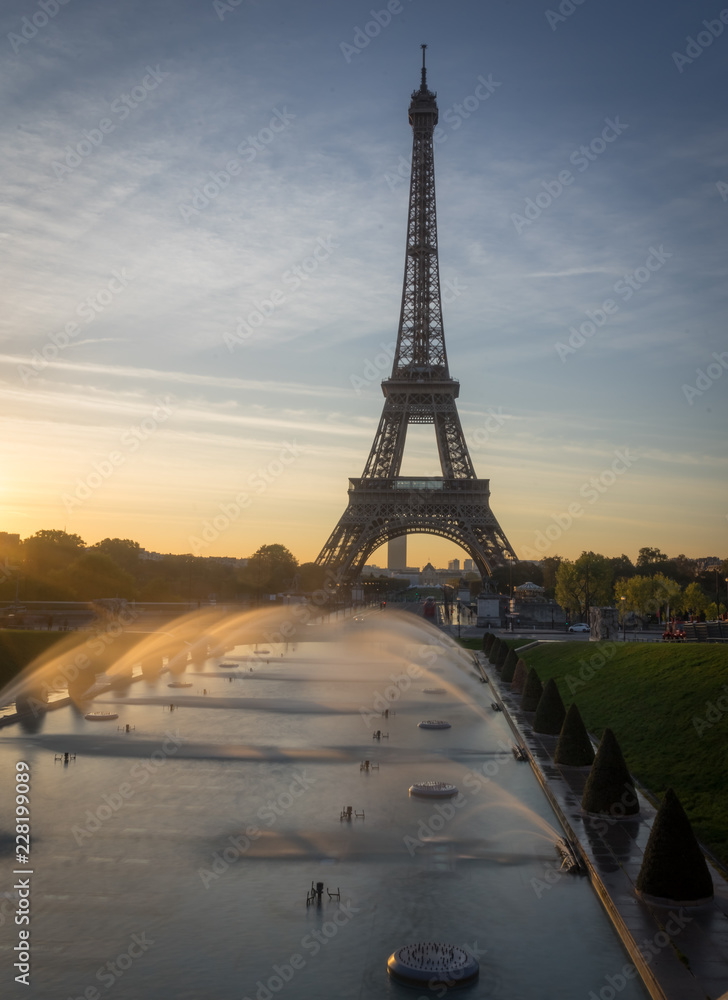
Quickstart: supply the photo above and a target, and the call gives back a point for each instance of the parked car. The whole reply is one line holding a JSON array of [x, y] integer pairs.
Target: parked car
[[579, 627]]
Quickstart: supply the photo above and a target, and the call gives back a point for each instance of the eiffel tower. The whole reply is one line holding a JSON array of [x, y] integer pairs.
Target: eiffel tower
[[382, 504]]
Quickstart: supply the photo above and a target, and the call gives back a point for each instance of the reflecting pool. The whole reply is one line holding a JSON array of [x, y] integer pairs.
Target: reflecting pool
[[172, 856]]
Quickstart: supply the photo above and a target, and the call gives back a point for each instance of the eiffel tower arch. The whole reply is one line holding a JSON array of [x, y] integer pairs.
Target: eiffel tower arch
[[383, 504]]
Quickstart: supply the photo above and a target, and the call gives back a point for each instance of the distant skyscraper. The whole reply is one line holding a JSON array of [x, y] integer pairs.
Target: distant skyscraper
[[397, 552], [468, 566], [454, 565]]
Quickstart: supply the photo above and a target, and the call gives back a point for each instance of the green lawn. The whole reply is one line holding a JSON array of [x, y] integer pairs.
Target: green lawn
[[19, 647], [657, 699]]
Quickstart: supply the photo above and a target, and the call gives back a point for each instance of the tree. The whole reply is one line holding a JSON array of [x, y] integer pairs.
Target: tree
[[509, 666], [649, 595], [95, 574], [574, 747], [693, 599], [609, 788], [673, 866], [550, 711], [681, 569], [503, 651], [649, 558], [271, 569], [50, 549], [123, 551], [309, 577], [622, 566], [494, 651], [584, 583], [568, 589], [532, 691], [549, 567], [519, 677], [46, 557]]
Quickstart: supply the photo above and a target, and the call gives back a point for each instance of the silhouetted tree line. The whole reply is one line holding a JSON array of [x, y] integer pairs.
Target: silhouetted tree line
[[55, 565]]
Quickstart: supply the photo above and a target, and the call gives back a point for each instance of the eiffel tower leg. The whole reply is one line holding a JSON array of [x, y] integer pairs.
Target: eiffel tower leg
[[451, 447], [385, 458], [340, 549]]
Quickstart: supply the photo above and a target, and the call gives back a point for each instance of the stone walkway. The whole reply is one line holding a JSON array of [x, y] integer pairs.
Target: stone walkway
[[681, 952]]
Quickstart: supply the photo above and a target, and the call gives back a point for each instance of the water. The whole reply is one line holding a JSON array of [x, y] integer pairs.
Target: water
[[175, 860]]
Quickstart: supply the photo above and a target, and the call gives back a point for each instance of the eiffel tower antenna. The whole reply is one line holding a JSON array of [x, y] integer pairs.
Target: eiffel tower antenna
[[382, 504]]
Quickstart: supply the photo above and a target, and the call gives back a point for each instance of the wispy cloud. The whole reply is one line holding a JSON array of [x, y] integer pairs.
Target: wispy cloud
[[185, 378]]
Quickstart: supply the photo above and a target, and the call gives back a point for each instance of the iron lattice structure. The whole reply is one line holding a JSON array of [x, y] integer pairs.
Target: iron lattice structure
[[383, 504]]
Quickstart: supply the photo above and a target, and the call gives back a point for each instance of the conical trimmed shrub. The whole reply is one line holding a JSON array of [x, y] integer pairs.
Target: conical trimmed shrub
[[532, 691], [574, 747], [488, 640], [494, 649], [501, 657], [509, 666], [673, 866], [609, 789], [519, 676], [550, 711]]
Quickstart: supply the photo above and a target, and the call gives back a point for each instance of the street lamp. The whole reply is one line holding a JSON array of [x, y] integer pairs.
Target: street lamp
[[624, 619]]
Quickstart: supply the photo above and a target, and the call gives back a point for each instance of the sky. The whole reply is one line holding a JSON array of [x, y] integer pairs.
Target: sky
[[202, 238]]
